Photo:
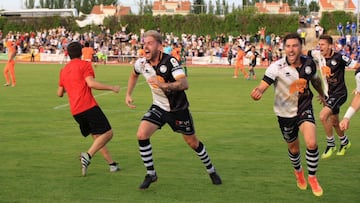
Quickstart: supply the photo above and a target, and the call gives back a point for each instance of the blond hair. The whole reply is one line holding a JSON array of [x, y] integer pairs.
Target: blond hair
[[155, 34]]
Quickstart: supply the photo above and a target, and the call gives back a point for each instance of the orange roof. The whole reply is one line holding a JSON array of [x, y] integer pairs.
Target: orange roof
[[325, 4], [182, 5], [328, 4], [124, 10], [263, 8]]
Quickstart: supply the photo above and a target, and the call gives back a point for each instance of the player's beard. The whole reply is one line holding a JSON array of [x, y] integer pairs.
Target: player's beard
[[153, 55], [293, 58]]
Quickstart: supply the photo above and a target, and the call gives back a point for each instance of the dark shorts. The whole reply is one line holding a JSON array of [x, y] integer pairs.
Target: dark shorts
[[335, 101], [92, 121], [290, 126], [179, 121]]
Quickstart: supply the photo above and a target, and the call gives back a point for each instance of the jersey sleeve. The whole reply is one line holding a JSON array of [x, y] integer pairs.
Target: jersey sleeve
[[176, 70], [270, 74], [349, 63], [139, 65]]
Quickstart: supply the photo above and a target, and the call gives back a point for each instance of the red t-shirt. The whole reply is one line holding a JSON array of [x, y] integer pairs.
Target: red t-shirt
[[72, 78]]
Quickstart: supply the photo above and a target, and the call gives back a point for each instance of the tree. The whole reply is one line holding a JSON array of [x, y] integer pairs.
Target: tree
[[218, 7], [314, 6], [225, 7], [107, 2], [148, 7], [211, 7], [199, 6], [141, 7], [30, 4], [60, 4]]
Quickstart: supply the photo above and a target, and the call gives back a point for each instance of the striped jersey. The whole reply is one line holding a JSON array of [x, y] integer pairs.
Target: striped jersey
[[333, 71], [167, 70], [292, 91]]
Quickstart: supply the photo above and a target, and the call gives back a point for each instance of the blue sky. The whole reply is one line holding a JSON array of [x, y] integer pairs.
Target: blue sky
[[16, 4]]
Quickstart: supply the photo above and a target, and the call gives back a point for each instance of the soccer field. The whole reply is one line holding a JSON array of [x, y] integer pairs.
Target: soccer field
[[40, 144]]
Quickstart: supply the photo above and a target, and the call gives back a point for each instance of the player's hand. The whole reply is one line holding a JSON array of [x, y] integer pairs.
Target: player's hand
[[344, 124], [115, 88], [154, 82], [256, 94], [129, 102]]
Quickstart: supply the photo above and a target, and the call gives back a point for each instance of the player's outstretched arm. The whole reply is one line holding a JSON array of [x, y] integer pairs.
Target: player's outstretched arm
[[133, 78], [353, 108], [258, 91], [92, 83]]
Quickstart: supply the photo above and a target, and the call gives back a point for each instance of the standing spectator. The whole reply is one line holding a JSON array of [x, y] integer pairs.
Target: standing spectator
[[303, 37], [183, 58], [167, 48], [340, 30], [239, 65], [353, 29], [87, 52], [168, 83], [175, 52], [10, 65], [229, 53], [291, 77], [347, 28], [317, 30], [262, 32], [77, 80]]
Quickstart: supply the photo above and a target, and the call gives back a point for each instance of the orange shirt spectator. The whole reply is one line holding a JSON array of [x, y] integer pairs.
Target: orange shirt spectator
[[87, 52]]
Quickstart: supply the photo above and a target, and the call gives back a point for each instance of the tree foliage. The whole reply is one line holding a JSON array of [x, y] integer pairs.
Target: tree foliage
[[199, 6]]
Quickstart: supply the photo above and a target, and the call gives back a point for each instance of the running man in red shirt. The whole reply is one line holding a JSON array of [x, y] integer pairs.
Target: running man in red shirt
[[10, 65], [77, 79]]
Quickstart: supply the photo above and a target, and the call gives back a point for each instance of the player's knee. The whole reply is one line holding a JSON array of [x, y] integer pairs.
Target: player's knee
[[142, 136], [109, 134], [311, 146]]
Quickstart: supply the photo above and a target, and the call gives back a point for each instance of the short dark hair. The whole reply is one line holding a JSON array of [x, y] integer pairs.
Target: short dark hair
[[74, 50], [328, 38], [292, 36]]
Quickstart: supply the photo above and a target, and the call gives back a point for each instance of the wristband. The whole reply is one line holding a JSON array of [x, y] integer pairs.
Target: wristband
[[349, 113]]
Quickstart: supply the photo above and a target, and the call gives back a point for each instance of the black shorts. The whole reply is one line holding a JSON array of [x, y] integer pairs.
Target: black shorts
[[92, 121], [290, 126], [335, 101], [179, 121]]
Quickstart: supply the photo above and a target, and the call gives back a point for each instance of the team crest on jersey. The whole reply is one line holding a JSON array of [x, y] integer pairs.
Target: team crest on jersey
[[163, 68], [333, 62], [308, 70], [174, 62], [345, 58]]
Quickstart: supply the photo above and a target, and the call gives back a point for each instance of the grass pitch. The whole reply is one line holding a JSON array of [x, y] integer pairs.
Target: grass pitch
[[40, 144]]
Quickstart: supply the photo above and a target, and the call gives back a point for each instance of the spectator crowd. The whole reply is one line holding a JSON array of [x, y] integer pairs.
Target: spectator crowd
[[127, 46]]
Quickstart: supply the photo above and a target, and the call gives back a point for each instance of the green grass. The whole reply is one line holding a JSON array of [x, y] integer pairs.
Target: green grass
[[40, 143]]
